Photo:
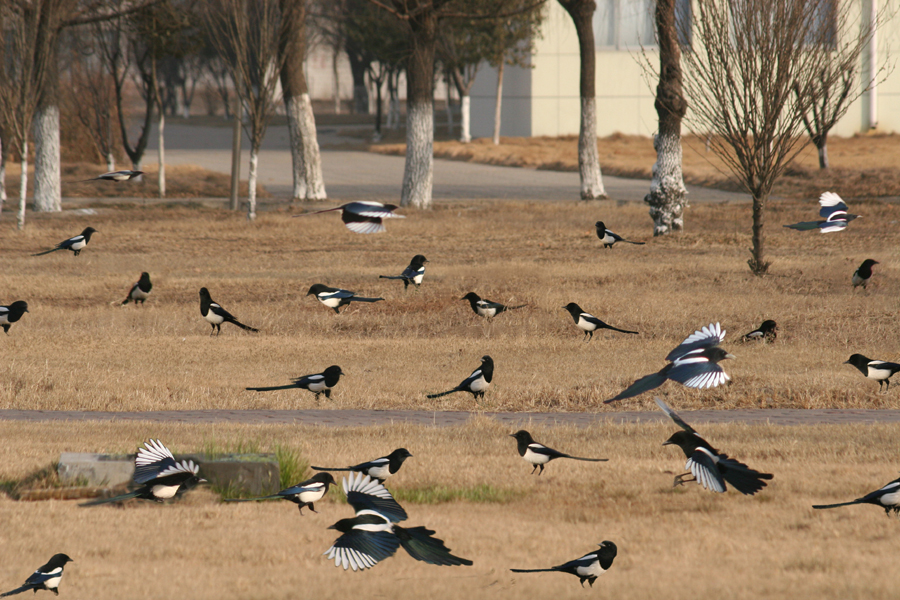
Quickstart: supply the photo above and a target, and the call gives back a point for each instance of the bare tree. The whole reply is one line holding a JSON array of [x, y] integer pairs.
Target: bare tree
[[93, 98]]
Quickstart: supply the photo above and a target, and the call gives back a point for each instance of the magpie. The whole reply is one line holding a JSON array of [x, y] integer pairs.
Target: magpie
[[588, 323], [335, 298], [318, 383], [486, 308], [768, 331], [303, 494], [877, 370], [12, 313], [215, 315], [833, 210], [539, 455], [887, 498], [373, 534], [476, 383], [587, 568], [116, 176], [694, 363], [709, 467], [609, 238], [75, 244], [863, 274], [380, 468], [412, 274], [47, 577], [363, 216], [140, 291], [157, 474]]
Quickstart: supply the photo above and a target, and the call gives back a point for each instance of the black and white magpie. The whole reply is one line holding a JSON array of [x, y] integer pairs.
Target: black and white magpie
[[412, 274], [486, 308], [363, 216], [863, 274], [587, 568], [75, 244], [373, 534], [476, 383], [887, 498], [140, 291], [215, 315], [588, 323], [47, 577], [709, 467], [305, 493], [609, 238], [539, 455], [694, 363], [877, 370], [116, 176], [833, 210], [157, 474], [334, 298], [768, 331], [318, 383], [12, 313], [380, 468]]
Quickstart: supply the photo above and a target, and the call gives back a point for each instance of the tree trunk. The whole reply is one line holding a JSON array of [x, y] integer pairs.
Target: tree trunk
[[465, 128], [378, 111], [312, 158], [110, 162], [757, 260], [23, 186], [251, 189], [449, 104], [234, 200], [2, 173], [392, 92], [498, 105], [292, 108], [822, 148], [47, 186], [336, 84], [161, 154], [360, 92], [419, 170]]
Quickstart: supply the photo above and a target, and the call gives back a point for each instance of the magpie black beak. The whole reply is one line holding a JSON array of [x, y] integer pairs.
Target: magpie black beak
[[668, 443]]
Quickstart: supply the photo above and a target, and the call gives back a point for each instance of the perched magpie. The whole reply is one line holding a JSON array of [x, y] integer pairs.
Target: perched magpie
[[768, 331], [335, 298], [303, 494], [157, 474], [609, 238], [412, 274], [47, 577], [12, 313], [587, 568], [319, 383], [140, 291], [477, 382], [588, 323], [539, 455], [833, 210], [709, 467], [864, 273], [887, 498], [75, 244], [215, 315], [877, 370], [380, 468], [694, 363], [486, 308], [373, 534], [116, 176], [363, 216]]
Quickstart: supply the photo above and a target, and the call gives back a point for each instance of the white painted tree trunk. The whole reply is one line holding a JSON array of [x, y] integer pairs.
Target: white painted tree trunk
[[312, 158], [667, 197], [47, 185], [161, 154], [251, 182], [449, 107], [498, 106], [418, 173], [588, 157], [292, 107], [23, 186], [465, 118], [110, 162]]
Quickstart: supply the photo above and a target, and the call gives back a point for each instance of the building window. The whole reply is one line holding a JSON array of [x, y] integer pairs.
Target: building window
[[630, 24]]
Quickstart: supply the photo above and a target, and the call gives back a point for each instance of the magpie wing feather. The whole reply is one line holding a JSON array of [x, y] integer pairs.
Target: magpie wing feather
[[674, 416], [421, 545]]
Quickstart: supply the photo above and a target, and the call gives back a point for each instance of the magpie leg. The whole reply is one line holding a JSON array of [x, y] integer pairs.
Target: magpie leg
[[534, 469], [680, 479], [542, 469]]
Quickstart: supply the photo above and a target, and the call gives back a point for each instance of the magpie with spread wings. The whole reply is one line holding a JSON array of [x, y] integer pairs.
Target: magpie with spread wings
[[833, 210], [363, 216]]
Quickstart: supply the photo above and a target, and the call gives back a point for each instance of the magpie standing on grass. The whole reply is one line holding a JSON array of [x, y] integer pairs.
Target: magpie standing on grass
[[833, 210], [373, 534], [380, 468], [363, 216], [318, 383], [476, 383], [412, 274], [47, 577], [694, 363], [116, 176], [588, 323], [303, 494], [215, 315], [539, 455], [75, 244], [12, 313], [863, 274], [709, 467], [768, 331], [334, 298], [877, 370], [609, 238], [140, 291], [486, 308], [587, 568], [887, 498]]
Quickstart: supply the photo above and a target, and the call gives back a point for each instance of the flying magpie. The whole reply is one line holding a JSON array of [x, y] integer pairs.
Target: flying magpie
[[319, 383], [47, 577], [877, 370], [116, 176], [887, 498], [539, 455], [609, 238], [303, 494], [587, 568], [373, 534], [486, 308], [75, 244], [863, 274], [363, 216], [477, 382], [215, 315], [694, 363], [380, 468], [709, 467], [768, 331], [335, 298], [412, 274], [157, 474], [140, 291], [12, 313], [833, 210], [588, 323]]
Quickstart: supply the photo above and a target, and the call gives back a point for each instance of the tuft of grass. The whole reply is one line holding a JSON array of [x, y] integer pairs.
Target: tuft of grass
[[44, 478], [440, 494], [292, 467]]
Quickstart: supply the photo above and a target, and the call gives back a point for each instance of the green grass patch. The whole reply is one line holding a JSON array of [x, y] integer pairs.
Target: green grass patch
[[42, 479]]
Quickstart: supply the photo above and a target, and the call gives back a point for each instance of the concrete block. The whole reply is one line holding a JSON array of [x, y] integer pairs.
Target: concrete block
[[95, 469]]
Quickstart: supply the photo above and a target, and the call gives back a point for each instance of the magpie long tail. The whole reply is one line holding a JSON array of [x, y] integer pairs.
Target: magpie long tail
[[358, 299], [331, 468], [318, 212], [242, 326], [126, 301], [100, 501], [515, 307], [252, 499], [272, 388], [635, 243], [448, 392], [585, 459], [836, 505], [419, 543], [620, 330], [531, 570], [24, 588], [391, 277], [43, 253], [644, 384]]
